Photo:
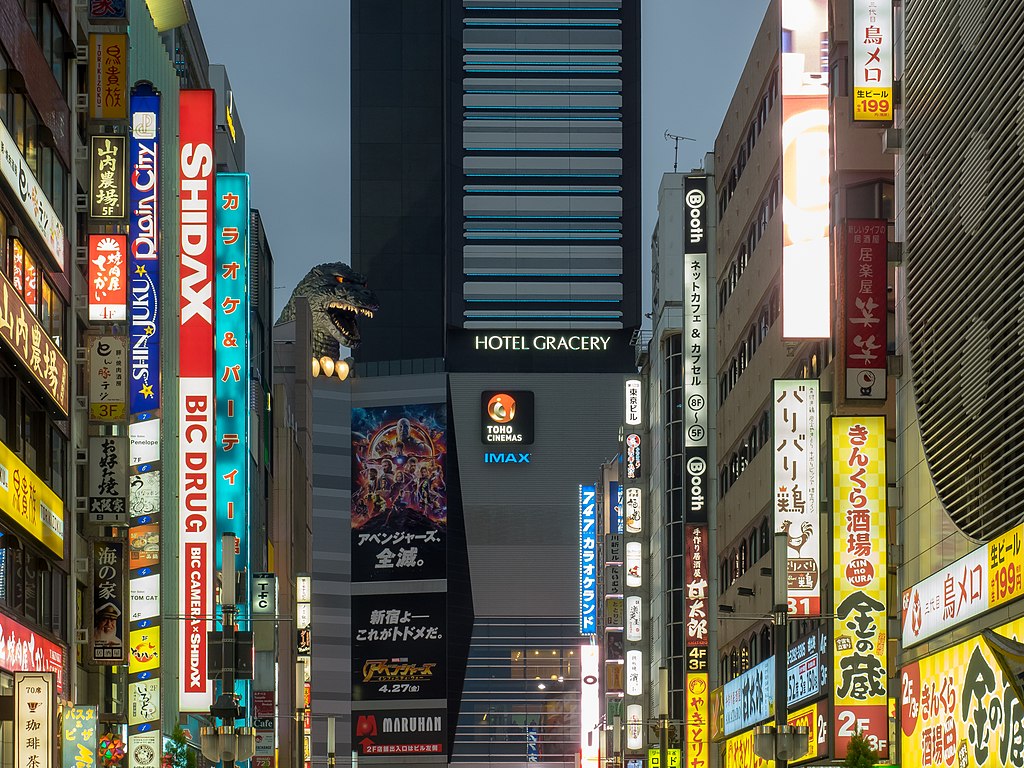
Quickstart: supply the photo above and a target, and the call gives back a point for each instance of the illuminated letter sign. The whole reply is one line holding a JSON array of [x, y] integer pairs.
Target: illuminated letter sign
[[634, 618], [588, 560], [695, 353], [865, 308], [871, 43], [634, 560], [590, 704], [34, 731], [506, 417], [634, 673], [859, 672], [108, 67], [634, 727], [795, 489], [196, 401], [107, 177], [108, 273], [634, 412]]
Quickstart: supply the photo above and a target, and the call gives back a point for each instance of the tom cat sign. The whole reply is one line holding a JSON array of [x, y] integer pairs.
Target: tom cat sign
[[506, 417]]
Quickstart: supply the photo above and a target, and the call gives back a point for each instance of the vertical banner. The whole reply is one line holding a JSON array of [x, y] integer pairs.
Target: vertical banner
[[806, 296], [108, 378], [79, 737], [871, 47], [695, 349], [698, 747], [108, 76], [795, 473], [588, 560], [108, 266], [859, 674], [108, 178], [634, 403], [865, 322], [107, 492], [399, 492], [107, 638], [35, 734], [196, 397], [590, 706]]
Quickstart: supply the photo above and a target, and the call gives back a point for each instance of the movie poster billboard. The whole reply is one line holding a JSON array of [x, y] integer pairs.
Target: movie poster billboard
[[399, 492], [399, 647]]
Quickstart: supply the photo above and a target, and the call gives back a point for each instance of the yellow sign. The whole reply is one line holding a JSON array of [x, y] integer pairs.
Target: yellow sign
[[859, 668], [673, 758], [1006, 567], [29, 501], [108, 76], [872, 104], [144, 650], [958, 709], [697, 731], [739, 750]]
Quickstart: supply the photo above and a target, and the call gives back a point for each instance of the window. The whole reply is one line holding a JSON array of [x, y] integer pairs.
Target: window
[[766, 537]]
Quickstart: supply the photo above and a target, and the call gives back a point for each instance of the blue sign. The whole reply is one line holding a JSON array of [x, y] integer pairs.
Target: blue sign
[[618, 525], [144, 251], [750, 698], [588, 560]]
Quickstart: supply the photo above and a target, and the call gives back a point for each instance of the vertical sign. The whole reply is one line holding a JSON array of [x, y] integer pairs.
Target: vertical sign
[[108, 378], [108, 266], [34, 732], [588, 560], [108, 479], [634, 410], [108, 76], [634, 727], [696, 605], [107, 638], [144, 251], [795, 485], [196, 399], [871, 45], [697, 745], [634, 511], [107, 177], [695, 349], [231, 222], [615, 522], [806, 297], [590, 705], [859, 673], [79, 737], [865, 303]]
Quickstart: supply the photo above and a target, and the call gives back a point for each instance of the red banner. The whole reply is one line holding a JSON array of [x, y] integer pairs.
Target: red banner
[[865, 307]]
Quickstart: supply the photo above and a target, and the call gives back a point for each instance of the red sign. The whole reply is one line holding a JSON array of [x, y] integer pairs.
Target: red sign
[[107, 268], [196, 401], [865, 306], [22, 650], [263, 704], [696, 585]]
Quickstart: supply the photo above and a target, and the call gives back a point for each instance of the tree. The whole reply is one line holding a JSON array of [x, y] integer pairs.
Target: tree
[[179, 754], [859, 753]]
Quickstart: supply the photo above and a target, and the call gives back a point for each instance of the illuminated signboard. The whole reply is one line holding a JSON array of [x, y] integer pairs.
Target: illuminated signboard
[[634, 564], [106, 11], [795, 487], [107, 637], [78, 729], [22, 650], [697, 745], [634, 618], [807, 667], [195, 395], [958, 708], [634, 673], [634, 402], [696, 585], [588, 560], [144, 251], [107, 492], [634, 513], [806, 297], [108, 377], [108, 272], [231, 223], [739, 750], [871, 46], [634, 727], [108, 177], [859, 672], [633, 466], [615, 522], [695, 352], [590, 703], [750, 698], [1006, 567], [29, 502], [542, 343], [506, 416], [865, 307], [108, 74], [34, 729]]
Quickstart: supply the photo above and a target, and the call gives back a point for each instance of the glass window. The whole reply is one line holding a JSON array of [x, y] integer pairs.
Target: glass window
[[45, 302], [57, 315], [18, 120]]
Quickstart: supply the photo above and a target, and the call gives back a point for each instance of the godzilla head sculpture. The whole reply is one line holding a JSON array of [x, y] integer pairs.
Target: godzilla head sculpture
[[337, 297]]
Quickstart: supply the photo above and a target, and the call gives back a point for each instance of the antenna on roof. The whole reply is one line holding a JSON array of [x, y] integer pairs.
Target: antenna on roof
[[676, 139]]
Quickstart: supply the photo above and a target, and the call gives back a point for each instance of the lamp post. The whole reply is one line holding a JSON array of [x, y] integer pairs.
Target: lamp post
[[227, 743]]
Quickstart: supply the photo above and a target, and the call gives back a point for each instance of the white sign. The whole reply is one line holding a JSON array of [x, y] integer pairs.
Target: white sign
[[871, 45], [543, 343], [795, 488], [634, 727], [949, 597], [144, 750], [33, 202], [144, 597], [144, 440], [634, 673], [264, 594], [590, 703], [634, 575], [634, 513], [34, 734], [634, 402], [634, 618]]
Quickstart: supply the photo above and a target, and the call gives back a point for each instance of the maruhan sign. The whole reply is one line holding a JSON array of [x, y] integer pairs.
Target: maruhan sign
[[542, 343]]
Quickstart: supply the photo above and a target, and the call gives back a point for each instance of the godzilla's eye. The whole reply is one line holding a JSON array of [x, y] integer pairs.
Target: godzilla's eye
[[339, 278]]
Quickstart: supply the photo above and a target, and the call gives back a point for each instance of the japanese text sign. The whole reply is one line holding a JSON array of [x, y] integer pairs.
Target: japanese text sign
[[695, 349], [865, 322], [588, 560], [634, 402], [34, 731], [634, 510], [27, 500], [108, 479], [108, 377], [750, 698], [22, 650], [696, 600], [795, 487], [739, 750], [951, 596], [1006, 567], [106, 11], [697, 732], [79, 737], [108, 179], [106, 638], [859, 673], [108, 272], [871, 48], [108, 76]]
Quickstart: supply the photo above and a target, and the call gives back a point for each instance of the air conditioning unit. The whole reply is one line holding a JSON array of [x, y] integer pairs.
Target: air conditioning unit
[[892, 140], [81, 258], [82, 102], [81, 356], [81, 203]]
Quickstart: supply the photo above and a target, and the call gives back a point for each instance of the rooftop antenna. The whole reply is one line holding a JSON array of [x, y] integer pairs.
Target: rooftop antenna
[[676, 139]]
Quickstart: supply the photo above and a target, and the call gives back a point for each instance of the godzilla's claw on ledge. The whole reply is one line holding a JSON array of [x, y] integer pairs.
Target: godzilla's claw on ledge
[[328, 366]]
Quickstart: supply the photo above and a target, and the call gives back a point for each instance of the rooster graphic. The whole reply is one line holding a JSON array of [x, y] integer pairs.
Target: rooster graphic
[[796, 543]]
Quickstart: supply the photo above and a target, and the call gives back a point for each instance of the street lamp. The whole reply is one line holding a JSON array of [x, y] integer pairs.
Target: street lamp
[[227, 743]]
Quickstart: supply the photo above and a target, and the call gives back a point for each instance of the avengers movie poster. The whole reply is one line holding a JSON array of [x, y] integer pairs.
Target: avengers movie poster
[[399, 496]]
